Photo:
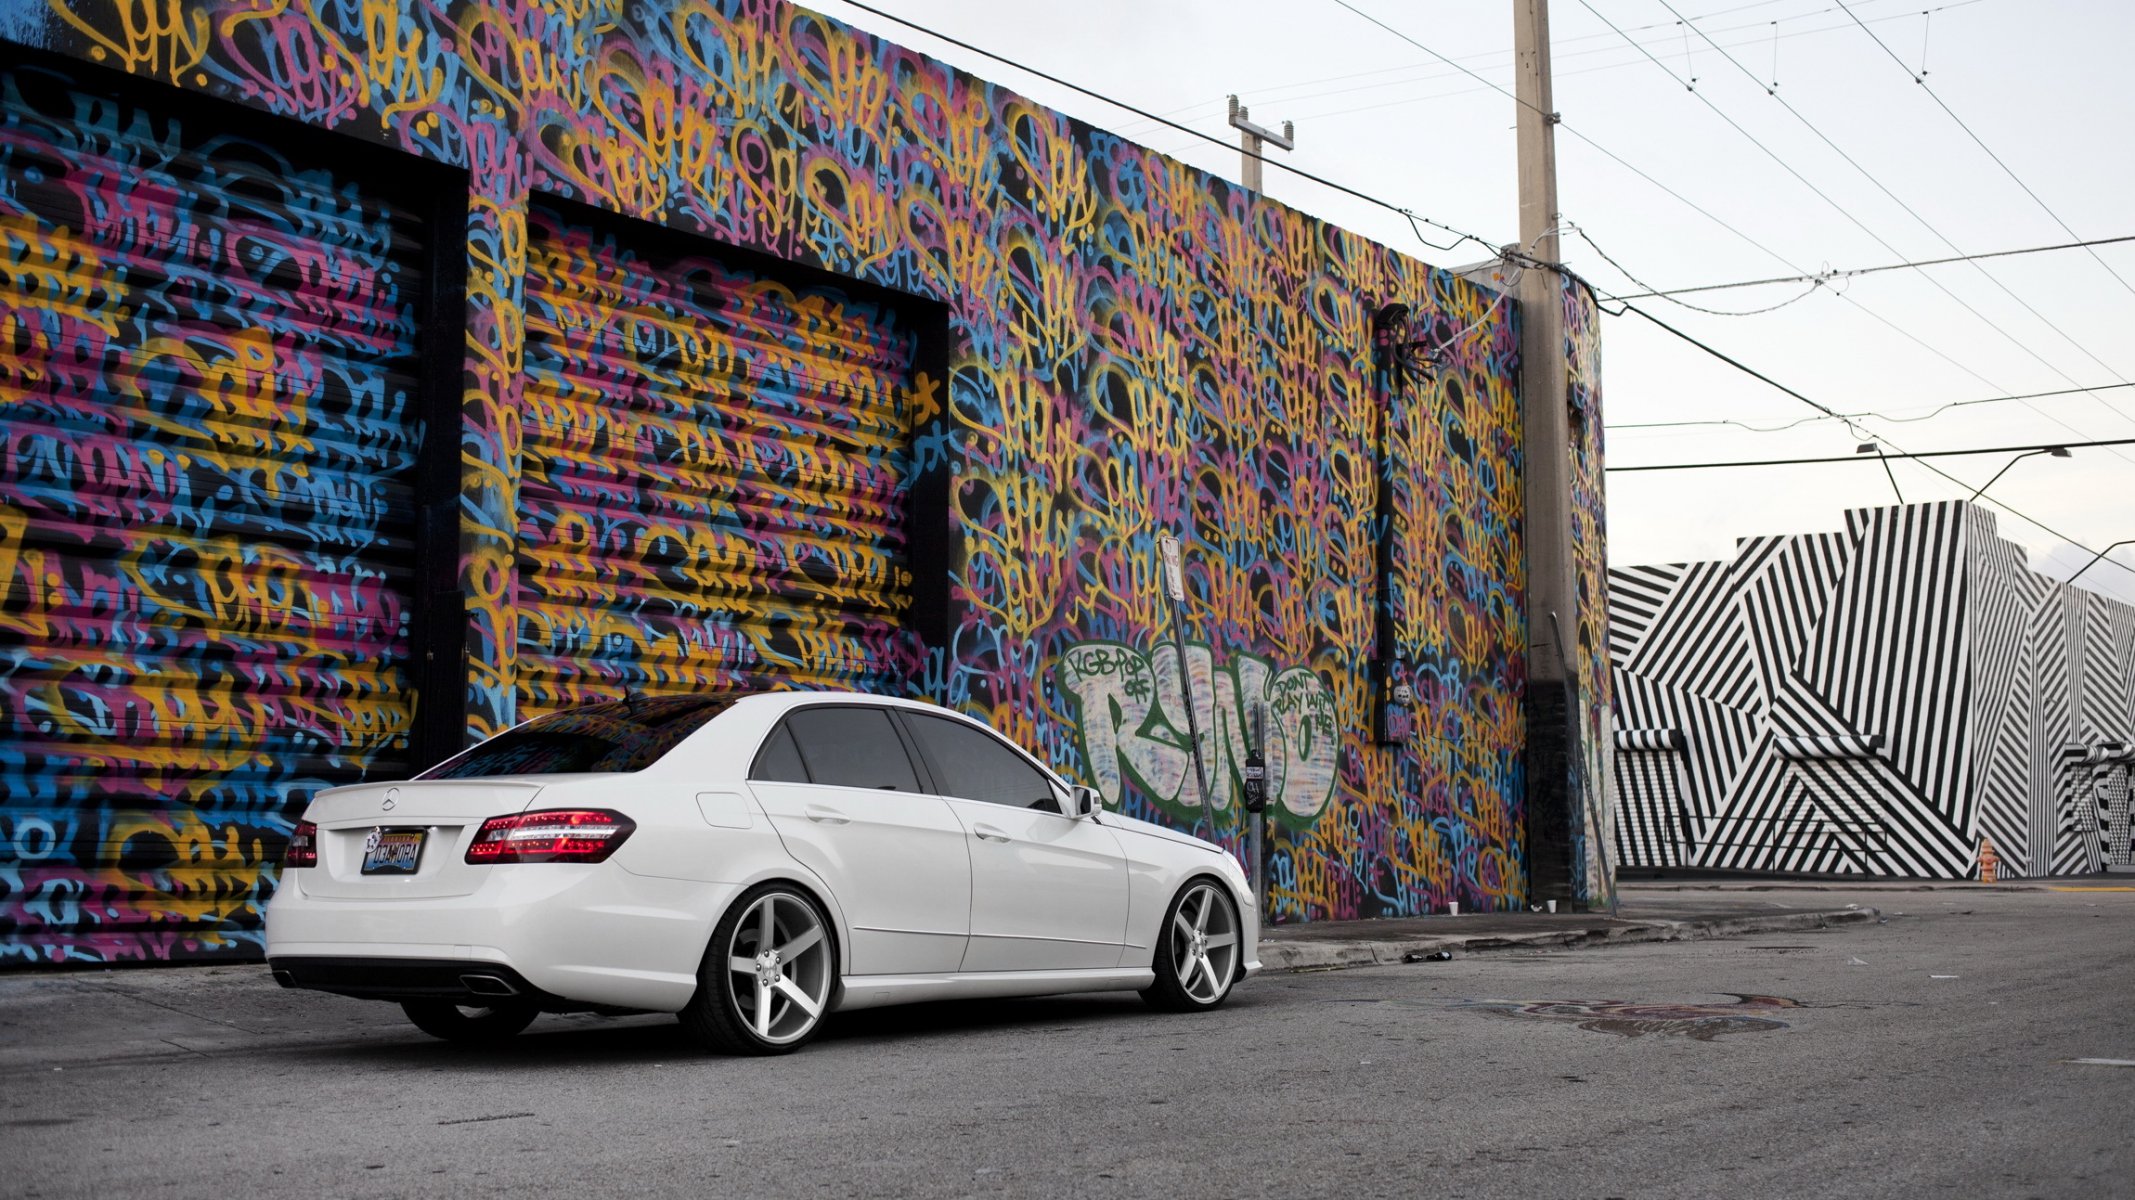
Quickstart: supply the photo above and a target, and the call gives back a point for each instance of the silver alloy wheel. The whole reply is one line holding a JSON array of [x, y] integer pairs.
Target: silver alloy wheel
[[779, 968], [1204, 943]]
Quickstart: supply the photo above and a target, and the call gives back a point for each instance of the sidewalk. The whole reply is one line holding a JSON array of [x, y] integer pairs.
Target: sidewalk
[[1647, 912]]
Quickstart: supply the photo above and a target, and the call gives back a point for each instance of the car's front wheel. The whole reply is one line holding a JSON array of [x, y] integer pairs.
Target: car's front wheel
[[493, 1022], [767, 977], [1197, 950]]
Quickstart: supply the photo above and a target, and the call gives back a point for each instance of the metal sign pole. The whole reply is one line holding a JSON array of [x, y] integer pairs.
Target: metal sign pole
[[1256, 804], [1167, 546]]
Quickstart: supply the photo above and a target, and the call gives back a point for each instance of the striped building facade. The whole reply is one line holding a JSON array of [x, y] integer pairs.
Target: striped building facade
[[1876, 702]]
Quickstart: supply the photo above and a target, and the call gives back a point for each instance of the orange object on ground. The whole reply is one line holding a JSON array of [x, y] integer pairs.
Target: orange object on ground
[[1989, 861]]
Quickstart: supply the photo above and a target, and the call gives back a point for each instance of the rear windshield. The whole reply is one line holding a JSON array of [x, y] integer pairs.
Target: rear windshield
[[623, 735]]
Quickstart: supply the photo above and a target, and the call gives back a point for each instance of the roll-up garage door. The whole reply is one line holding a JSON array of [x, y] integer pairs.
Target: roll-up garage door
[[1650, 819], [206, 404], [714, 477]]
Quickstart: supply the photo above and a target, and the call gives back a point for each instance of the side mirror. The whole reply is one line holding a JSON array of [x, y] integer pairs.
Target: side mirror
[[1083, 802]]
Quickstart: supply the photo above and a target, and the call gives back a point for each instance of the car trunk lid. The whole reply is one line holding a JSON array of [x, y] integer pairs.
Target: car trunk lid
[[419, 830]]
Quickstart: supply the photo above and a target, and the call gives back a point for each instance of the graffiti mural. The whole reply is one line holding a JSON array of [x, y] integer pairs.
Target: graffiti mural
[[1126, 344], [1796, 724], [1590, 573], [204, 592], [1132, 718], [714, 481]]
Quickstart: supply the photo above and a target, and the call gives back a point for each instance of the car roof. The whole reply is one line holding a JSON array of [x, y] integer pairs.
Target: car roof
[[801, 697]]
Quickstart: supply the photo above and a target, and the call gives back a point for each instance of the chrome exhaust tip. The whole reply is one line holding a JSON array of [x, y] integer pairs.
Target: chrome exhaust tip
[[487, 985]]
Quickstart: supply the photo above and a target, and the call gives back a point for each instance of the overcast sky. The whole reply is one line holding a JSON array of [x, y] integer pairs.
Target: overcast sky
[[2043, 83]]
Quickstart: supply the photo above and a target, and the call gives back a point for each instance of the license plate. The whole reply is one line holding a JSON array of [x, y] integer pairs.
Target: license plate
[[392, 851]]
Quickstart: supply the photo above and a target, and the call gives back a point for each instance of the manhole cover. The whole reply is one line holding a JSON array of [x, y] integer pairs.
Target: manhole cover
[[1748, 1014]]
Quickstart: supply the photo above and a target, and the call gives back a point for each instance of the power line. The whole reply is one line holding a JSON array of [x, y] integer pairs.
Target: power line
[[1841, 209], [1823, 277], [1861, 457], [1814, 284], [1922, 81], [1413, 217], [1464, 236], [1864, 416], [1618, 159], [1687, 202], [1269, 92], [2004, 505], [1773, 91], [1886, 321]]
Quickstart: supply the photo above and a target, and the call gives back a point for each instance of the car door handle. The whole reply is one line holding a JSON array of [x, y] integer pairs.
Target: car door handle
[[989, 833], [826, 816]]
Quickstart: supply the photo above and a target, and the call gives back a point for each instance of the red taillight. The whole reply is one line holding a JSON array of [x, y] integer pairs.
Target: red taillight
[[303, 848], [581, 835]]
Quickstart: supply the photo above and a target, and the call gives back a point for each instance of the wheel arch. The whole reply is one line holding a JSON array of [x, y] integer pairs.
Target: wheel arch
[[796, 876]]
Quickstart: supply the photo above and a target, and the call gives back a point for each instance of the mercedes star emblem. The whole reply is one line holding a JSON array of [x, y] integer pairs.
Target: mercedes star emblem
[[391, 797]]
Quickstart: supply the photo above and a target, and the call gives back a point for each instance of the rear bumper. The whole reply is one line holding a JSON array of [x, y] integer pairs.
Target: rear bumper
[[569, 936], [468, 981]]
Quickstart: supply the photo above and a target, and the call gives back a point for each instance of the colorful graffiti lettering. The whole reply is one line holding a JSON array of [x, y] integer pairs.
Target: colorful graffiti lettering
[[1133, 724], [1123, 344], [1590, 634]]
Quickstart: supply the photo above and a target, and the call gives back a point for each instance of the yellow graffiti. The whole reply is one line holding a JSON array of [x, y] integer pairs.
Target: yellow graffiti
[[59, 273], [163, 38], [393, 63]]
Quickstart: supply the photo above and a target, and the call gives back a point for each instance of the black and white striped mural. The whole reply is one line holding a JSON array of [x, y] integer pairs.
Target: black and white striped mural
[[1872, 702]]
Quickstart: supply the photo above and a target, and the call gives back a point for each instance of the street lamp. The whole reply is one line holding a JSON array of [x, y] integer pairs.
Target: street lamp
[[2056, 451], [1876, 449], [2101, 554]]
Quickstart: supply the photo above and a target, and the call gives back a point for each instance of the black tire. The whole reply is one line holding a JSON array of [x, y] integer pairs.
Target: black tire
[[1180, 985], [497, 1021], [718, 1015]]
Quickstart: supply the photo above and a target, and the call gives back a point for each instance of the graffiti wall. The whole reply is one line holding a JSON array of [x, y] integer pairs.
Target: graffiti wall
[[1589, 633], [1126, 346], [1131, 710], [206, 597]]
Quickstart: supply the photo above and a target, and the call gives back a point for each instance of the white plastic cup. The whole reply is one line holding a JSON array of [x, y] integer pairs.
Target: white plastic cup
[[1552, 905], [1452, 908]]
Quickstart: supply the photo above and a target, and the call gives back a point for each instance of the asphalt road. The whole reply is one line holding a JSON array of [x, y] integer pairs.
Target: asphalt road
[[1922, 1057]]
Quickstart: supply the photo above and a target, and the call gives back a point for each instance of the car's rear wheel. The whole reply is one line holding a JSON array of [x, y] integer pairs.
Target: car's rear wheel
[[766, 980], [1197, 950], [493, 1022]]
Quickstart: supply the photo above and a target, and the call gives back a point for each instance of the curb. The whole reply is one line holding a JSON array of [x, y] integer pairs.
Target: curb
[[1854, 888], [1303, 955]]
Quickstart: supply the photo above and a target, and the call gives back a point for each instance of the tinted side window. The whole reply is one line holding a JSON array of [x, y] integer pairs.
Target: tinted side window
[[780, 760], [975, 765], [850, 746]]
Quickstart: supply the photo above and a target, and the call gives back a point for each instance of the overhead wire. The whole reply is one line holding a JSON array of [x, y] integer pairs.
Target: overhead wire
[[1267, 94], [1275, 92], [1773, 92], [1412, 216], [1816, 282], [1842, 210], [1857, 457], [1686, 201], [1462, 236], [1862, 416], [1921, 79], [1828, 411], [1825, 276]]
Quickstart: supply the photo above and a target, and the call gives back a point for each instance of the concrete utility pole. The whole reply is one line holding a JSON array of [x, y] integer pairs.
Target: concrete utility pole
[[1251, 137], [1545, 394]]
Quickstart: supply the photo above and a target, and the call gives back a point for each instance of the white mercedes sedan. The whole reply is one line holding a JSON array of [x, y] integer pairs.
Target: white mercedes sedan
[[751, 863]]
